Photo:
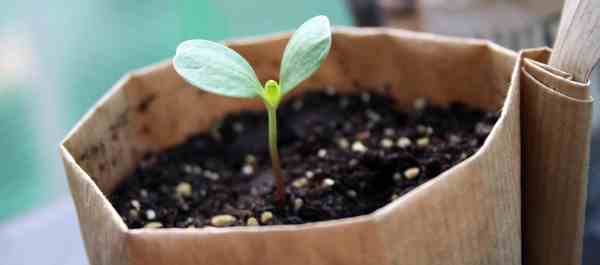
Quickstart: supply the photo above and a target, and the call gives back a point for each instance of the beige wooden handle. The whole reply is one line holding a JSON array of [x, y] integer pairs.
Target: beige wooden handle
[[577, 45]]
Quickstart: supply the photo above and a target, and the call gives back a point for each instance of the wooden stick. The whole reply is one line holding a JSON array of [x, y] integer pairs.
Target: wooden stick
[[577, 46]]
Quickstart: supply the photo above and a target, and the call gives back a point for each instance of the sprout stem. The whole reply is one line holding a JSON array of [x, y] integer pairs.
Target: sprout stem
[[277, 173]]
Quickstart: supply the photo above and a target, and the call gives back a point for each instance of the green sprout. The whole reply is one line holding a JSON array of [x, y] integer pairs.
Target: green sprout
[[217, 69]]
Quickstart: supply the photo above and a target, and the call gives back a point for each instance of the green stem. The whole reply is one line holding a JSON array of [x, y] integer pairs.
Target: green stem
[[277, 173]]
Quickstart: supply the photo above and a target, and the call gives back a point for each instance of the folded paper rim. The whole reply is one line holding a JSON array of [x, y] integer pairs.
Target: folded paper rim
[[555, 80]]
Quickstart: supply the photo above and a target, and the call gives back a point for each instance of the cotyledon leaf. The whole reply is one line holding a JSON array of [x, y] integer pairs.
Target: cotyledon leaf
[[215, 68], [305, 52]]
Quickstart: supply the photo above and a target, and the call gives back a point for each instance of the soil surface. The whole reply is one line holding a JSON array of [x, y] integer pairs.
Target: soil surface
[[342, 156]]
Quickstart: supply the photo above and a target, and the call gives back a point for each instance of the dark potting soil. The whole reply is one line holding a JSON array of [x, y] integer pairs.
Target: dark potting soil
[[342, 156]]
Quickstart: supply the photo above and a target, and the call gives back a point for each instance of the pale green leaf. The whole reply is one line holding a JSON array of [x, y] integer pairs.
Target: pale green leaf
[[305, 52], [215, 68]]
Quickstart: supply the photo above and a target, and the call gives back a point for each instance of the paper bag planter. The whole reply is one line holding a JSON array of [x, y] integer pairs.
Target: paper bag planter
[[556, 119], [470, 214]]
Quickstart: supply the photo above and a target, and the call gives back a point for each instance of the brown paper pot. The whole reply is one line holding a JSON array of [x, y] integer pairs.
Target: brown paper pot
[[470, 214], [556, 128]]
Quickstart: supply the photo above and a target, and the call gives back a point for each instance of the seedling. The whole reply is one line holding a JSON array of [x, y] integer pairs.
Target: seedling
[[217, 69]]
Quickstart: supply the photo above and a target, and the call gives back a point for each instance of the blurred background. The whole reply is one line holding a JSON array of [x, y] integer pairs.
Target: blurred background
[[58, 57]]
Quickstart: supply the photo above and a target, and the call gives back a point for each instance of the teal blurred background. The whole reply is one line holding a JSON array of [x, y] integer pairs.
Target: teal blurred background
[[58, 57]]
